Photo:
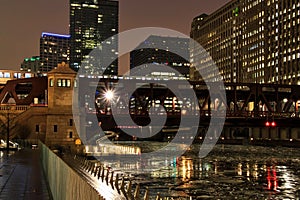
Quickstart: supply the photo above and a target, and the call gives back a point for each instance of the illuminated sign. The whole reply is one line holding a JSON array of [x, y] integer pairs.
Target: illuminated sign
[[236, 11], [55, 35]]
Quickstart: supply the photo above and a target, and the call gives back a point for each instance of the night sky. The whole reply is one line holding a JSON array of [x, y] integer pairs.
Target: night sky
[[22, 22]]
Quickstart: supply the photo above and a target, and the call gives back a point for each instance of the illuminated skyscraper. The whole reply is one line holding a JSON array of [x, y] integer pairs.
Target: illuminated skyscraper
[[92, 22], [251, 41], [54, 49]]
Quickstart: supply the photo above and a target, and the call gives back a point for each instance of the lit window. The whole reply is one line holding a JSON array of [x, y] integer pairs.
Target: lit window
[[75, 83], [59, 83], [51, 82], [68, 83], [63, 82], [6, 75]]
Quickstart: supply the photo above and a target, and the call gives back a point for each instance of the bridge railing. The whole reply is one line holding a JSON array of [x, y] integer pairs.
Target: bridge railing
[[216, 113], [262, 114], [13, 107]]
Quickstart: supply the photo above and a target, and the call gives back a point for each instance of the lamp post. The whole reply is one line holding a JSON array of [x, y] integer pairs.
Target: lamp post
[[10, 102], [7, 137], [37, 131]]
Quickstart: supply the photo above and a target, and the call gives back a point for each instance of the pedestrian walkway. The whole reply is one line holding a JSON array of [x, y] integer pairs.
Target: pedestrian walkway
[[21, 176]]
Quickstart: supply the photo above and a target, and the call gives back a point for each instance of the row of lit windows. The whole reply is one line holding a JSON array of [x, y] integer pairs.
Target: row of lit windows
[[14, 75], [273, 63], [254, 40], [253, 33], [269, 3], [253, 55], [251, 5], [291, 24], [254, 61], [292, 50], [260, 66], [290, 58], [253, 19], [61, 83]]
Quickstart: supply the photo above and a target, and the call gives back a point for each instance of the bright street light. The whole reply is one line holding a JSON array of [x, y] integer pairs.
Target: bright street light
[[109, 95]]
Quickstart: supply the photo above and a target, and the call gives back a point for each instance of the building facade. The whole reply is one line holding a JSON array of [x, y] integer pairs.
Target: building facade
[[92, 22], [54, 49], [60, 127], [155, 50], [251, 41], [45, 113], [283, 41]]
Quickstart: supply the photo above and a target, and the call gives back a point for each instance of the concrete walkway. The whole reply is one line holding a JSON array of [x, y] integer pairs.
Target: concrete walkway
[[21, 176]]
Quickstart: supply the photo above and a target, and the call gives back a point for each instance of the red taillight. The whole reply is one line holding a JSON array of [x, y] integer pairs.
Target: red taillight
[[273, 124]]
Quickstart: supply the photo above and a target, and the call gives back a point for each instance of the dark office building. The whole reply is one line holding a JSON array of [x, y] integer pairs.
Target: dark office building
[[155, 50], [31, 64], [252, 41], [91, 22], [54, 49]]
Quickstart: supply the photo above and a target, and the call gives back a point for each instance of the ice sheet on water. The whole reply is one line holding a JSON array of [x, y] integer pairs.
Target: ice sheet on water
[[243, 172]]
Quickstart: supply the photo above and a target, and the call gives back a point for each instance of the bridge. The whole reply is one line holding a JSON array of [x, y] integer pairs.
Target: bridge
[[241, 100], [264, 110]]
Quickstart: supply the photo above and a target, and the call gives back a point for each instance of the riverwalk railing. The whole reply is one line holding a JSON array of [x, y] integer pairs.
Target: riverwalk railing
[[119, 182], [76, 177], [63, 181]]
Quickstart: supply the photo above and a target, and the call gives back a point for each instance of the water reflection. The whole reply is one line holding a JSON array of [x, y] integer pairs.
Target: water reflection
[[235, 171]]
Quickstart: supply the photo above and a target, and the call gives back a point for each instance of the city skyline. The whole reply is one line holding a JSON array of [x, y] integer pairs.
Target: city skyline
[[209, 109], [20, 36]]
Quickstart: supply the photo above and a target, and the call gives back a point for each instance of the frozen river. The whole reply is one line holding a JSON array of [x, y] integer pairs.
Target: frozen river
[[228, 172]]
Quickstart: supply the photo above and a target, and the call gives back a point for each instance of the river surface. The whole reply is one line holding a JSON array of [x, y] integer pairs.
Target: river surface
[[228, 172]]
